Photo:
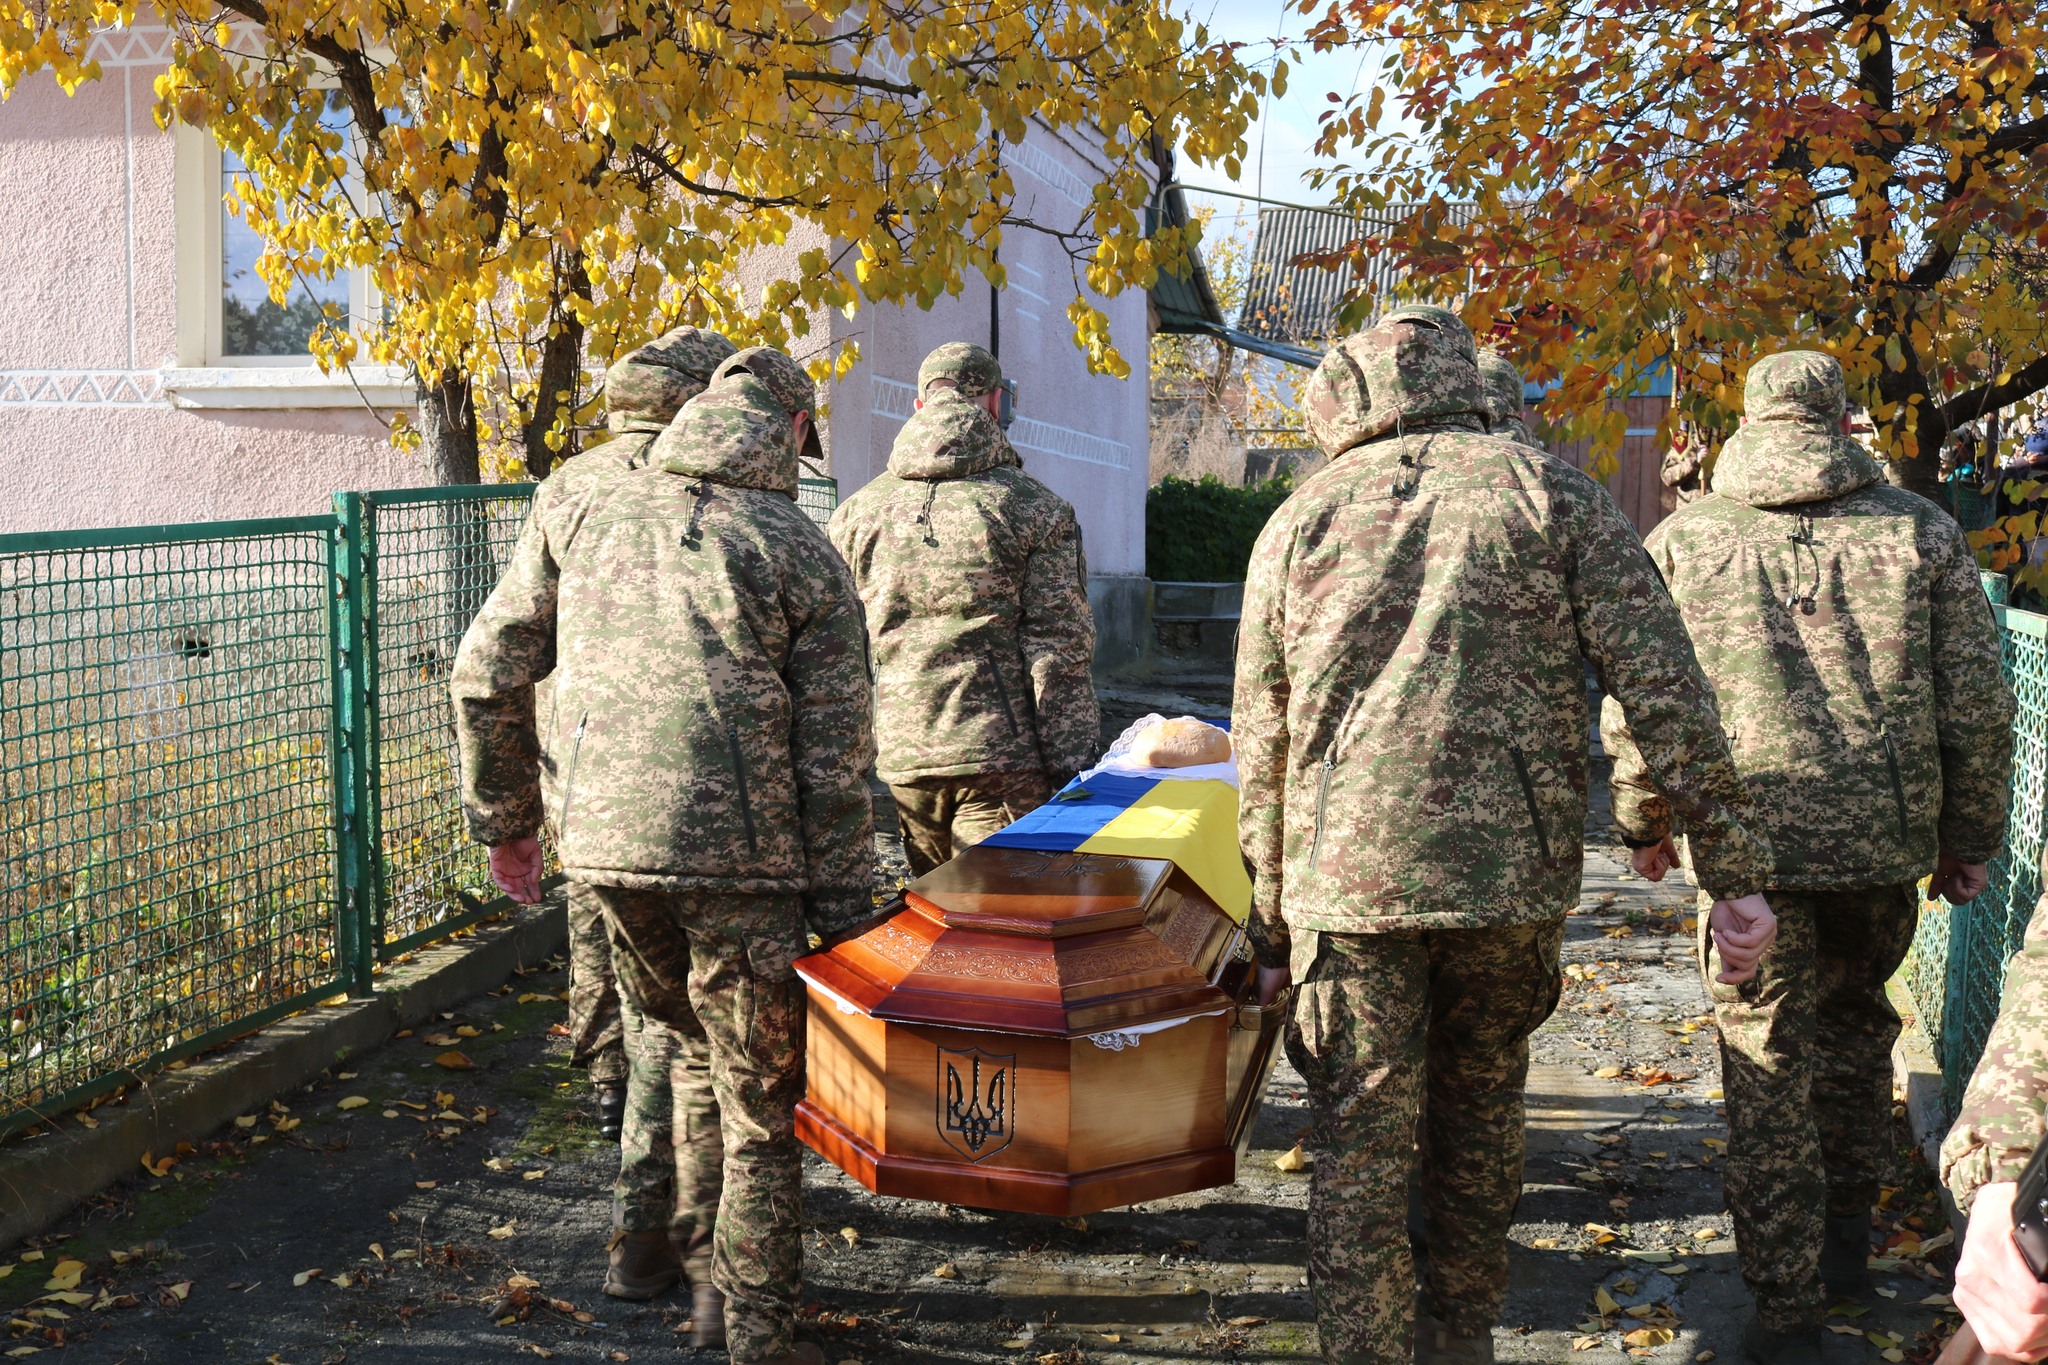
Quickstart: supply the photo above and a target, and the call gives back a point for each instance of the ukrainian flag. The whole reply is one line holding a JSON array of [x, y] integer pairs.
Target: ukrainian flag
[[1193, 823]]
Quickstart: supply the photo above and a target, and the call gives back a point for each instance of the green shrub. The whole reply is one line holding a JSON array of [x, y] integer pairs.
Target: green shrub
[[1202, 531]]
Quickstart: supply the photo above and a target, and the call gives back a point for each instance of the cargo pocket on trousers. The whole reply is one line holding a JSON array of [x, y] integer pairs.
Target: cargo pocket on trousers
[[1307, 1038], [774, 1023], [1549, 969]]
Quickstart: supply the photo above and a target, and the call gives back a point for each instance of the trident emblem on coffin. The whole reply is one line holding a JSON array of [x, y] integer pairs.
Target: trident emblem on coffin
[[976, 1101]]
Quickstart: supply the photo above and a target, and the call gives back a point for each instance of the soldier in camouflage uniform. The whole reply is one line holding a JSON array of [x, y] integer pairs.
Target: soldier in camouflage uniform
[[1857, 672], [1505, 400], [643, 391], [2002, 1122], [712, 703], [978, 616], [1411, 729]]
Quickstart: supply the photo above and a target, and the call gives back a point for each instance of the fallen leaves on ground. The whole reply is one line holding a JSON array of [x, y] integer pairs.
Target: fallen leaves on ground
[[1293, 1159], [454, 1061], [306, 1277], [851, 1236], [1650, 1336], [353, 1102], [948, 1271], [504, 1230]]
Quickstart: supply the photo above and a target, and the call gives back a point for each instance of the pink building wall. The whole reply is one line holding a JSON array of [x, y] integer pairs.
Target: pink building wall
[[93, 367], [88, 328]]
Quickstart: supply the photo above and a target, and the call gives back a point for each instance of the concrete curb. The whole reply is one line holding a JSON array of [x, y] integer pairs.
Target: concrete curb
[[1916, 1075], [43, 1178]]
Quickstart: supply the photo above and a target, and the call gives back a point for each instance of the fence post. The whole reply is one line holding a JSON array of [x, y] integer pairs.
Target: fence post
[[355, 855]]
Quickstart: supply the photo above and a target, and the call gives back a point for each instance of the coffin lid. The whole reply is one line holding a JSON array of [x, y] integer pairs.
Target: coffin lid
[[1019, 941]]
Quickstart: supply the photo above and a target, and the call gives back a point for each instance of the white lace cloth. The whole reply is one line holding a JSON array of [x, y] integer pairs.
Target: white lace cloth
[[1117, 760], [1116, 1040]]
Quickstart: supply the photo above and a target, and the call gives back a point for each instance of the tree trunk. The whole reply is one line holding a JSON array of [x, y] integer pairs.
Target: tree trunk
[[1920, 474], [561, 362], [448, 430]]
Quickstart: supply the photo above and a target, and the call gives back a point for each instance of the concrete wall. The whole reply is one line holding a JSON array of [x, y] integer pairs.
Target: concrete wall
[[88, 323]]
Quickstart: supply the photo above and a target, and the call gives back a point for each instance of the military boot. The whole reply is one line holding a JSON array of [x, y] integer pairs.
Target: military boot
[[611, 1112], [1845, 1255], [1762, 1346], [1437, 1344], [707, 1305], [643, 1265]]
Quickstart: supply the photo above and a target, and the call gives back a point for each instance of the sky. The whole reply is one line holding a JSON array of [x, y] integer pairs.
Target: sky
[[1280, 143]]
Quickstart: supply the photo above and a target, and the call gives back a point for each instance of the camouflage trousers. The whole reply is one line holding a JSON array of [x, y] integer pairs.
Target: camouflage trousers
[[725, 960], [1384, 1023], [939, 816], [671, 1154], [1806, 1066], [595, 1041]]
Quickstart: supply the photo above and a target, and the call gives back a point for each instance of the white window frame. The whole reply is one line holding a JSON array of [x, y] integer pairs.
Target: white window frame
[[202, 376]]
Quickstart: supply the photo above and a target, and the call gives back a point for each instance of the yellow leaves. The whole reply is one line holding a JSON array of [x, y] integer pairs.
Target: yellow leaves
[[353, 1102]]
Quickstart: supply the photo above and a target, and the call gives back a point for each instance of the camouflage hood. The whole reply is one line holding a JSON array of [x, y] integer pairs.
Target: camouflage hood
[[736, 433], [644, 389], [949, 438], [1416, 368], [1504, 397], [1790, 448]]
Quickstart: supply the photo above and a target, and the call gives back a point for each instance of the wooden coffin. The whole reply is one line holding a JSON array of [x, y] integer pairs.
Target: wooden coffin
[[1040, 1032]]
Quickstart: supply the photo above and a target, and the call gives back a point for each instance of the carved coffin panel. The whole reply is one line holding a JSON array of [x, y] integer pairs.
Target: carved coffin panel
[[1054, 1033]]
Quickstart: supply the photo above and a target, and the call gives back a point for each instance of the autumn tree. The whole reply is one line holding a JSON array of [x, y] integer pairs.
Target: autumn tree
[[1700, 182], [1208, 394], [535, 187]]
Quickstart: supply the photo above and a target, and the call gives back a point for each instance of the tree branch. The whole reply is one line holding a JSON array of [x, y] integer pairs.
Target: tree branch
[[2028, 379]]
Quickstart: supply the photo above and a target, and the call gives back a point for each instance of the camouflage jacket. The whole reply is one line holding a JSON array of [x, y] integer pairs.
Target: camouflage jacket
[[1411, 717], [2002, 1119], [1848, 639], [711, 700], [643, 391], [977, 604]]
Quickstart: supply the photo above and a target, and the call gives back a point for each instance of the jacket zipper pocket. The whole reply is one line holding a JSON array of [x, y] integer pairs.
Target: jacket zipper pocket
[[996, 676], [1891, 760], [569, 777], [1529, 795], [1315, 847], [739, 770]]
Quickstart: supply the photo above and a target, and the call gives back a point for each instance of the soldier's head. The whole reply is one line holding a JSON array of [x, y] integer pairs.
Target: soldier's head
[[790, 387], [649, 384], [1415, 364], [1804, 388], [1503, 387], [964, 369]]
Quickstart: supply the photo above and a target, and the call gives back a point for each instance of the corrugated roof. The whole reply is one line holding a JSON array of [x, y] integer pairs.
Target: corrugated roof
[[1297, 304], [1187, 304]]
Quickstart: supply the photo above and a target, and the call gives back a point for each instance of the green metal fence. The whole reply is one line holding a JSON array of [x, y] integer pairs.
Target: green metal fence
[[228, 784], [1957, 970]]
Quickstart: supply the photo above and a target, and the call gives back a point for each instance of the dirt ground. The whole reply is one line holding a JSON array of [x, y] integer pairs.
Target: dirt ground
[[400, 1211]]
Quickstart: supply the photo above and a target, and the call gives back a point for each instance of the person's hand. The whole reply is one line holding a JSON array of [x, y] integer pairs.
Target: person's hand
[[1272, 981], [1960, 882], [515, 867], [1653, 862], [1743, 930], [1997, 1293]]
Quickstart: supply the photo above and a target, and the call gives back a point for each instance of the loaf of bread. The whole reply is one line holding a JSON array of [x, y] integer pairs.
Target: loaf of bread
[[1180, 743]]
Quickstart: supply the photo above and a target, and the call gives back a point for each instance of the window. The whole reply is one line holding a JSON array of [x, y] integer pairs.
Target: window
[[237, 347]]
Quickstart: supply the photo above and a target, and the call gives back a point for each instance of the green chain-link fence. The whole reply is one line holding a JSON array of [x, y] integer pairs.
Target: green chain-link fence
[[1957, 970], [227, 772]]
